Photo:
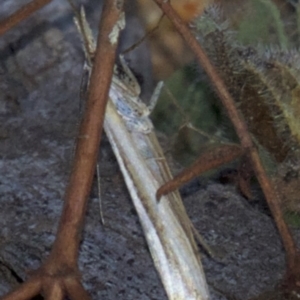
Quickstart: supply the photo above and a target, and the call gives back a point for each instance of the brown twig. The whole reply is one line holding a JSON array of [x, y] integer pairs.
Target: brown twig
[[209, 160], [241, 129], [59, 275], [89, 135], [21, 14]]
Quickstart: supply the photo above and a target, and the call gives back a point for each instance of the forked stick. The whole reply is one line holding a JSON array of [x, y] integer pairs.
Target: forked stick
[[59, 276]]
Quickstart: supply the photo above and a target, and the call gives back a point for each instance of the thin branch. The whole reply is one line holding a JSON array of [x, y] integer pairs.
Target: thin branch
[[21, 14], [147, 35], [26, 290], [86, 153], [209, 160], [60, 275], [240, 127], [75, 290]]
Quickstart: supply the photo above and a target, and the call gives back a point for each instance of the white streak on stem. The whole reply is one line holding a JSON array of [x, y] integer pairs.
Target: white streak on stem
[[114, 35]]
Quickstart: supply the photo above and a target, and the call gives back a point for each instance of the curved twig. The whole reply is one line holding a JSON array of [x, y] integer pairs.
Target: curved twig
[[241, 130]]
